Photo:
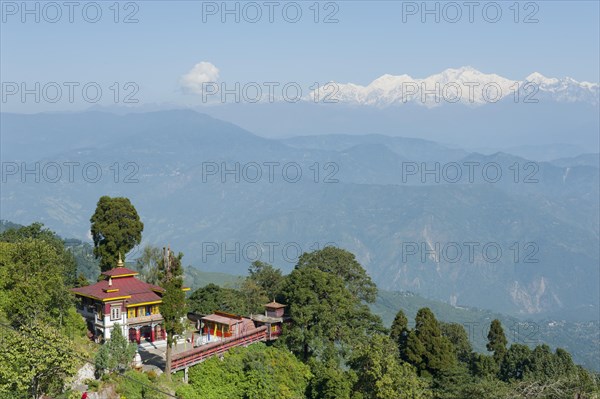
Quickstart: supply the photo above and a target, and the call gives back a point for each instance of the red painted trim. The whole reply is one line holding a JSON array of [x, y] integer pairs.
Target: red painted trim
[[189, 358]]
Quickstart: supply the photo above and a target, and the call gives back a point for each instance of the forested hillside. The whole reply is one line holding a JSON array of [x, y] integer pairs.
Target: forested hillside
[[335, 345], [581, 339]]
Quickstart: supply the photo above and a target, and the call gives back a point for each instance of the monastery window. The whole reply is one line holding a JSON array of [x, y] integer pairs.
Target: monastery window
[[115, 312]]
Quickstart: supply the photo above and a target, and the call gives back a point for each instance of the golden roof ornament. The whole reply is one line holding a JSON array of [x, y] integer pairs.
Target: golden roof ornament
[[120, 262]]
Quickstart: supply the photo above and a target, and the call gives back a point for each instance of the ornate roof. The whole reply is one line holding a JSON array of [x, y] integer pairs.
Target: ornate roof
[[120, 272], [274, 305], [126, 287], [120, 283]]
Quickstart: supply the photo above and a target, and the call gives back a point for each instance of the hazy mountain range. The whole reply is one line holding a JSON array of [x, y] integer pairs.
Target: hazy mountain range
[[458, 107], [354, 191]]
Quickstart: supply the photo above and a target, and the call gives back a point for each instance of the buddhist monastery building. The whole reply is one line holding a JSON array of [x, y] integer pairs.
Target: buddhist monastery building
[[122, 298]]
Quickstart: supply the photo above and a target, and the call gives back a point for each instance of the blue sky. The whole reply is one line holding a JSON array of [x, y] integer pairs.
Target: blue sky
[[369, 40]]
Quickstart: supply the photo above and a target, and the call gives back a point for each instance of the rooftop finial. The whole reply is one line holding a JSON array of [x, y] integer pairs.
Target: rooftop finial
[[120, 262]]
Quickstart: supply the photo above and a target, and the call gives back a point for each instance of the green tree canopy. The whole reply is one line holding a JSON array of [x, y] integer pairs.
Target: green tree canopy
[[172, 307], [37, 359], [486, 388], [515, 362], [115, 354], [255, 372], [484, 366], [253, 296], [497, 340], [457, 335], [344, 265], [449, 383], [381, 375], [32, 283], [268, 278], [38, 232], [326, 313], [38, 318], [211, 297], [399, 332], [427, 349], [320, 306], [116, 229], [330, 381]]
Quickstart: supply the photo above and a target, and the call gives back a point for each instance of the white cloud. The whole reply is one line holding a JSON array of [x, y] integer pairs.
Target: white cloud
[[202, 72]]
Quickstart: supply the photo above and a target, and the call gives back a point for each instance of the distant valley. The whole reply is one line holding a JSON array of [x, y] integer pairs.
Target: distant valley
[[360, 192]]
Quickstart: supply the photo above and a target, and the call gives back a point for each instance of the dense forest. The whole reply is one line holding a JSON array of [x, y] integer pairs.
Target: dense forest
[[335, 346]]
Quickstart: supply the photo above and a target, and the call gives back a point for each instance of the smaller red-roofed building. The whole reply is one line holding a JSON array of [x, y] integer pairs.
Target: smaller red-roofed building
[[124, 299], [273, 318], [274, 309], [221, 325]]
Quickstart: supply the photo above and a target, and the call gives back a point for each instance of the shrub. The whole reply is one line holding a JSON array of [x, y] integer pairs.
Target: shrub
[[92, 384], [152, 376]]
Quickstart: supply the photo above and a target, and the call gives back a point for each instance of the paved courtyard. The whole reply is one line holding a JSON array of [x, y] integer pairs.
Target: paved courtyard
[[154, 353]]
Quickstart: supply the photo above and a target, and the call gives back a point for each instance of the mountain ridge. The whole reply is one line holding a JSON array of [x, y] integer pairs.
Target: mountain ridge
[[388, 89], [364, 206]]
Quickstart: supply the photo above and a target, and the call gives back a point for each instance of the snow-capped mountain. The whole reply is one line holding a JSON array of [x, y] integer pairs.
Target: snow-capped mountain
[[464, 85]]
